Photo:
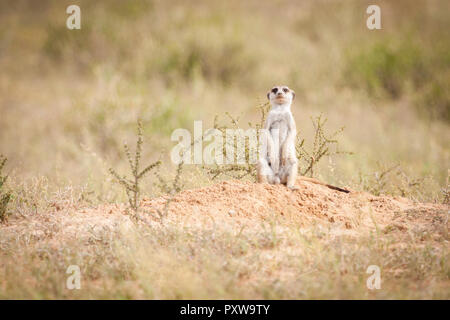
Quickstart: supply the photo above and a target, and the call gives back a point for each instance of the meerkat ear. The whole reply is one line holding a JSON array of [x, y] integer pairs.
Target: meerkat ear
[[293, 95], [268, 95]]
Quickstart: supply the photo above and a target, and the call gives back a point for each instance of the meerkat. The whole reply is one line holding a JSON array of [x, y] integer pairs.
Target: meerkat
[[279, 163]]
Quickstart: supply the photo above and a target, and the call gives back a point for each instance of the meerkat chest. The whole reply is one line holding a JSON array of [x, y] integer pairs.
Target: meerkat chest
[[280, 126]]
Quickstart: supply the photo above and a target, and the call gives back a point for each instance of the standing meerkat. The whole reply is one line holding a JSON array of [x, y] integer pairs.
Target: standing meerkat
[[279, 163]]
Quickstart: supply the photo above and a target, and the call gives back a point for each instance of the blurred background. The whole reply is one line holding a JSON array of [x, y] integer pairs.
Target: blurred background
[[69, 98]]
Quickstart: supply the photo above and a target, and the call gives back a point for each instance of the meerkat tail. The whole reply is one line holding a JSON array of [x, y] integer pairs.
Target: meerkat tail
[[312, 180]]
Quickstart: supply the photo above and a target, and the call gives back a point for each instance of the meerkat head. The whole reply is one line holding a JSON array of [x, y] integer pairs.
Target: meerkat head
[[281, 95]]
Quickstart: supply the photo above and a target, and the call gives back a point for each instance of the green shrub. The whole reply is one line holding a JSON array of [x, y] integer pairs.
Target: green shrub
[[225, 62], [385, 68], [390, 69], [324, 144], [434, 99], [132, 184], [62, 41]]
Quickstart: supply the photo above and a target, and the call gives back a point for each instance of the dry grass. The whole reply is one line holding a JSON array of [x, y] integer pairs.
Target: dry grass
[[70, 98], [219, 256], [5, 195]]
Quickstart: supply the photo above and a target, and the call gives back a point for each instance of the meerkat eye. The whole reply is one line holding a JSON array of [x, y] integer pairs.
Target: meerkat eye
[[275, 90], [286, 90]]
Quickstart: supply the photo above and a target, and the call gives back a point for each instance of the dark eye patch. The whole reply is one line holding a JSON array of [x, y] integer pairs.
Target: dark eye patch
[[286, 90], [275, 90]]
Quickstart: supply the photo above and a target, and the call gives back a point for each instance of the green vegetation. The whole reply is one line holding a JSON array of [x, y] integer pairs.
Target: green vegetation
[[131, 185], [385, 68], [393, 68]]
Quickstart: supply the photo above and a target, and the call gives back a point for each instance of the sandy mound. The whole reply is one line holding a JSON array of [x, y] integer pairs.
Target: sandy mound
[[238, 204], [312, 203]]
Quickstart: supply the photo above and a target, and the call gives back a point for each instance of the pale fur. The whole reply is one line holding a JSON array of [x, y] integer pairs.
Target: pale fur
[[280, 163]]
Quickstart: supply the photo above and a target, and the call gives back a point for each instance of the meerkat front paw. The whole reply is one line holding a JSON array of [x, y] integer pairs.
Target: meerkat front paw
[[283, 156], [293, 188]]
